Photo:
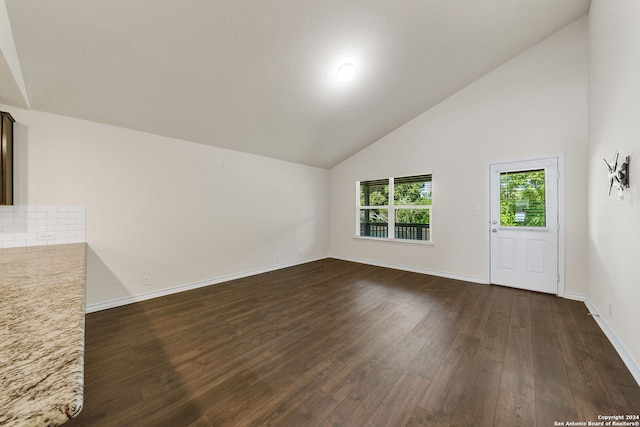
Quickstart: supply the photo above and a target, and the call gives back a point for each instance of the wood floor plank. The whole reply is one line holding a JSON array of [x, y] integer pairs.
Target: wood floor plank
[[310, 412], [398, 404], [477, 403], [515, 405], [549, 370], [590, 394], [337, 343], [363, 391], [619, 383], [441, 397], [370, 353]]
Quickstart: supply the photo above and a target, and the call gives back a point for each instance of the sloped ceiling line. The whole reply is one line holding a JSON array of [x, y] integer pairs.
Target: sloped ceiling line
[[8, 49], [260, 77]]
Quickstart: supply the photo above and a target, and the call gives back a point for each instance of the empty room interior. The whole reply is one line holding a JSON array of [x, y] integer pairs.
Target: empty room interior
[[320, 213]]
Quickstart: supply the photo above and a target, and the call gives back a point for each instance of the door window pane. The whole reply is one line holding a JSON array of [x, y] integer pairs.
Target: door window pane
[[522, 199], [374, 222]]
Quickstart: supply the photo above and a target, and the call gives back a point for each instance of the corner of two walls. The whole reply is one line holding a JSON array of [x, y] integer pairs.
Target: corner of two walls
[[185, 214], [614, 126], [533, 105]]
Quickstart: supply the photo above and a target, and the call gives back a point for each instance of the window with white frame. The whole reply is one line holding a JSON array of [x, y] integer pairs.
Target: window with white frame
[[397, 208]]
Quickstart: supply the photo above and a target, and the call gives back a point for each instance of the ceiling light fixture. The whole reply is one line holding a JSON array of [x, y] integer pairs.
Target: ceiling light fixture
[[346, 72]]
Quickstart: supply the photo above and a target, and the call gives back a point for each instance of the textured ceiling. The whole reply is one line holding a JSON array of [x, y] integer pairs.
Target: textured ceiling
[[260, 76]]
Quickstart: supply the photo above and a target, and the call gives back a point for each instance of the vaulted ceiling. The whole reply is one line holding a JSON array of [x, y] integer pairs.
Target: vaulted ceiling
[[259, 76]]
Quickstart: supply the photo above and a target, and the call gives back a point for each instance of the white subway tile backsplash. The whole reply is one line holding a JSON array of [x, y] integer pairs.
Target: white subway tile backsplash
[[25, 208], [70, 208], [13, 229], [10, 215], [25, 236], [46, 208], [35, 215], [40, 225], [56, 215]]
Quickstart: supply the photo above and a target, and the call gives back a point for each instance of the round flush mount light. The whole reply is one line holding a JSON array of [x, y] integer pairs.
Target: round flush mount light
[[346, 72]]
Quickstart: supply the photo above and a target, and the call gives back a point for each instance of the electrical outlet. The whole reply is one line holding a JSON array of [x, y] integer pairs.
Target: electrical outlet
[[146, 280], [47, 235], [610, 309]]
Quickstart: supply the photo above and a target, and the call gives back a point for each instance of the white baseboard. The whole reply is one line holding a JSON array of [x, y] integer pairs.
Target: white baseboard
[[574, 296], [608, 332], [188, 286], [632, 365], [91, 308], [413, 269], [615, 341]]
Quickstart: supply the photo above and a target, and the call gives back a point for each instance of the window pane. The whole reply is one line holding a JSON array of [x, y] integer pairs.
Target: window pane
[[374, 222], [374, 193], [522, 199], [412, 190], [413, 224]]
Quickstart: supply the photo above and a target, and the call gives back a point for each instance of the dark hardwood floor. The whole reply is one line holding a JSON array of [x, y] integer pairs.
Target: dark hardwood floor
[[333, 343]]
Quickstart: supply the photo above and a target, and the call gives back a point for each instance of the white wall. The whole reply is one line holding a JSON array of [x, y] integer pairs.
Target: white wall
[[614, 125], [178, 211], [536, 104]]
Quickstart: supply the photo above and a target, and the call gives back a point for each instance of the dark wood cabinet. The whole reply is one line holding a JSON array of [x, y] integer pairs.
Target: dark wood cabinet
[[6, 158]]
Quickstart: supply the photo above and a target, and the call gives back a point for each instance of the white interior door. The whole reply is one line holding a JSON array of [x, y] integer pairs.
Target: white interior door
[[524, 225]]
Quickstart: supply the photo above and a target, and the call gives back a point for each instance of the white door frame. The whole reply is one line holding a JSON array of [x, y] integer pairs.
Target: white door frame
[[561, 217]]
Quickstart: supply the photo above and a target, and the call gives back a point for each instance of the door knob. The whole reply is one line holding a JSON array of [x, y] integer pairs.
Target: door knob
[[494, 230]]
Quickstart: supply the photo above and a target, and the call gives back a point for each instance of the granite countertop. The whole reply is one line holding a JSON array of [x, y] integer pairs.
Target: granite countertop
[[42, 308]]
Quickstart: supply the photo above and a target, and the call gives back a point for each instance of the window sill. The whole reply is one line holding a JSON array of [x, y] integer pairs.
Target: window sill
[[428, 244]]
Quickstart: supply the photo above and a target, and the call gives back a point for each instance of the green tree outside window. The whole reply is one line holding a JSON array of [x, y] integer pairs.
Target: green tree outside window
[[522, 199]]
